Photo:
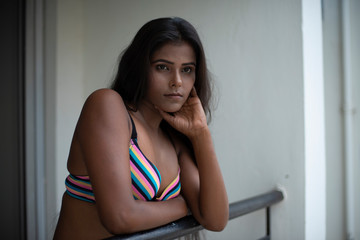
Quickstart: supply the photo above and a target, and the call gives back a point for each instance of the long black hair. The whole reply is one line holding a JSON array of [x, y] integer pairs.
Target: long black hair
[[132, 75]]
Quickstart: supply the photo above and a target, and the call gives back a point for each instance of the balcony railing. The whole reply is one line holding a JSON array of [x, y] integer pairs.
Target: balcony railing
[[189, 225]]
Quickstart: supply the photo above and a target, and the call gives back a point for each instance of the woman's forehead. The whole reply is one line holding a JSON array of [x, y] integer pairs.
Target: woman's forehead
[[172, 52]]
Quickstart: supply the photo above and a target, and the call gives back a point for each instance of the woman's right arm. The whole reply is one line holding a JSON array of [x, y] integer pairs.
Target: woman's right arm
[[103, 131]]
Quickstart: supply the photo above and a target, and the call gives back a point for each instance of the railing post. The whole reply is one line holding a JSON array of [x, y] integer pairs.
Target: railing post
[[268, 223]]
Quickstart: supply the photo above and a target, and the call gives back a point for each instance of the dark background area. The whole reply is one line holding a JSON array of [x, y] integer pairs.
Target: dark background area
[[12, 162]]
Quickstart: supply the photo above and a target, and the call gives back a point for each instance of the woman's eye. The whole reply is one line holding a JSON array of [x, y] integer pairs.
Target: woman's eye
[[187, 70], [162, 67]]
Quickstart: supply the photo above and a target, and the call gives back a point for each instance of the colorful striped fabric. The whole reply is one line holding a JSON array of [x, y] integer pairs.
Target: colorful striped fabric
[[79, 187], [171, 191], [145, 178]]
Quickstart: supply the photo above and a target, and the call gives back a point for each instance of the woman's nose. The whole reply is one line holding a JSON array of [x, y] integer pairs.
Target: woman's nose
[[176, 80]]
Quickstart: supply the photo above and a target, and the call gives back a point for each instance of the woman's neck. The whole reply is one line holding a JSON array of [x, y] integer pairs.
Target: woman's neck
[[150, 116]]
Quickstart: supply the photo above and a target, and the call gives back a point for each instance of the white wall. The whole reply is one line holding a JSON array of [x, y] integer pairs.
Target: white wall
[[69, 83], [355, 63], [254, 49], [333, 73], [333, 121]]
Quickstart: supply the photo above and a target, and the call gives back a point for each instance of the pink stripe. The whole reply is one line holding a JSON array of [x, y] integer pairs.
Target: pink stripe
[[173, 195], [170, 187], [142, 179], [139, 153], [137, 193], [83, 177], [145, 162], [78, 183], [80, 193]]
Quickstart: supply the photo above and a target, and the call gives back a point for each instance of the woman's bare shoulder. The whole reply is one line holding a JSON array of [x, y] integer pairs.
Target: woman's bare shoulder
[[105, 96], [103, 119], [104, 109], [104, 101]]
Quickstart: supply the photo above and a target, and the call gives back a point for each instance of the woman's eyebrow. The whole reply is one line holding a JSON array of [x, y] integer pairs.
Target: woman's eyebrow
[[169, 62], [190, 63], [162, 60]]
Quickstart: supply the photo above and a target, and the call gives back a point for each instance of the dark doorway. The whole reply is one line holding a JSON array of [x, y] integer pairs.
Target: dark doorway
[[12, 217]]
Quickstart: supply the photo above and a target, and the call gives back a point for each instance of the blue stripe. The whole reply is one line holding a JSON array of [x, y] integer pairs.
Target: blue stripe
[[76, 188], [152, 165], [140, 187], [172, 191], [140, 166], [80, 198]]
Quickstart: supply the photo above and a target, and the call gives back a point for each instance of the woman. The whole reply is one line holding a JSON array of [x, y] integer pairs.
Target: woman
[[154, 115]]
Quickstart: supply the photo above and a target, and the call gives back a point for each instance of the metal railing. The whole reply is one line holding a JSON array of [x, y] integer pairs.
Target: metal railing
[[189, 225]]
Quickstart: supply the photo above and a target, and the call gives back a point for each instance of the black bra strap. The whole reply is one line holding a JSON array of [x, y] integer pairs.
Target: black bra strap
[[133, 132]]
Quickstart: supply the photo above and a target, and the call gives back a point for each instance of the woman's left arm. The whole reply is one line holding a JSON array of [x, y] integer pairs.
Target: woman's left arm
[[202, 182], [203, 185]]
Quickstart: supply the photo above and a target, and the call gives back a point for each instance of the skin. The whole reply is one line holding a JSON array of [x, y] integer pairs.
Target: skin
[[100, 149]]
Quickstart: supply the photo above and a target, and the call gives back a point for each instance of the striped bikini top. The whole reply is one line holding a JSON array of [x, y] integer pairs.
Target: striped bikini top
[[145, 178]]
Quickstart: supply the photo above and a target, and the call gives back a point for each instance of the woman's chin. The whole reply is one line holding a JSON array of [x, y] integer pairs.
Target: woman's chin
[[172, 110]]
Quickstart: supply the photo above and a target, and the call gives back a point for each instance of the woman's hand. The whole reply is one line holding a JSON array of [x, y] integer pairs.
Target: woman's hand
[[201, 179], [190, 119]]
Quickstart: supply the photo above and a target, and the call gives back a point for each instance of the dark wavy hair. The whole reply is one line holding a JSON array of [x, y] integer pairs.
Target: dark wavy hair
[[132, 75]]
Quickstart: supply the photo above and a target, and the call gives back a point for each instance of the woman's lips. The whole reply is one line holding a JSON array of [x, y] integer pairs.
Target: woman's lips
[[173, 95]]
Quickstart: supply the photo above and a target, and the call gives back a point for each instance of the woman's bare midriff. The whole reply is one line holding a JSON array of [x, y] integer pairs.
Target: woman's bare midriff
[[79, 220]]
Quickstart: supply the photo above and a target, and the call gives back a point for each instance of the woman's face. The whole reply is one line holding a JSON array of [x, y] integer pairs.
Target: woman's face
[[171, 76]]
